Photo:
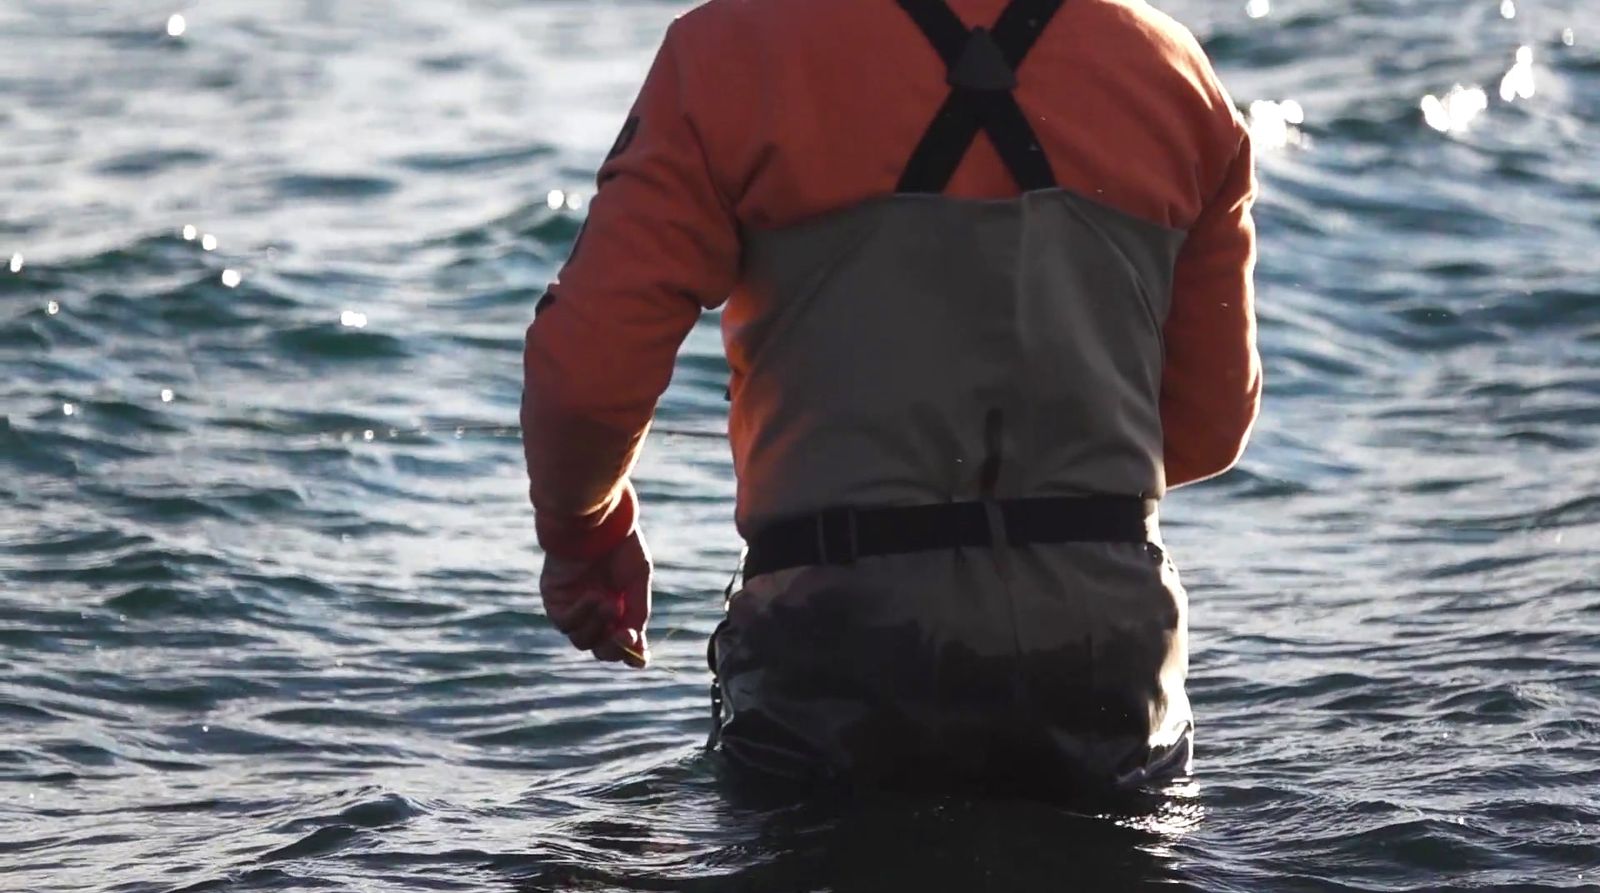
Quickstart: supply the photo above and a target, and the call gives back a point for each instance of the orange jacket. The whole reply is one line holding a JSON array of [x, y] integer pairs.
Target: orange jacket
[[758, 114]]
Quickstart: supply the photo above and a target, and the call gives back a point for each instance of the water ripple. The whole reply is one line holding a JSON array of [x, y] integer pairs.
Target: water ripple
[[270, 619]]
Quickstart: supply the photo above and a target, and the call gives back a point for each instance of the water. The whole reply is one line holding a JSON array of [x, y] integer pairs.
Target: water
[[245, 644]]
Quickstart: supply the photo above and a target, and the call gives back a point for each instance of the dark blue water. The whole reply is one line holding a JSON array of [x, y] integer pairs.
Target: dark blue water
[[268, 618]]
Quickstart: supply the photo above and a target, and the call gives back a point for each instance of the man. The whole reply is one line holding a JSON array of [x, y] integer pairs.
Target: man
[[985, 272]]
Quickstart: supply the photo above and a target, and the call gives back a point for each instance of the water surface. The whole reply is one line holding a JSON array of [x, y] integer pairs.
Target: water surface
[[267, 607]]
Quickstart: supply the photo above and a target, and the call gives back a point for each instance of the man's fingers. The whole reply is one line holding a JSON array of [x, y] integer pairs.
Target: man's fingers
[[636, 659], [626, 646], [609, 652], [579, 611], [566, 610], [603, 606], [587, 617], [596, 631]]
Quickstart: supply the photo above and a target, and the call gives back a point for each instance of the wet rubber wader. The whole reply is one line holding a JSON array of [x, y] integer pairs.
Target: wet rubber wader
[[955, 572]]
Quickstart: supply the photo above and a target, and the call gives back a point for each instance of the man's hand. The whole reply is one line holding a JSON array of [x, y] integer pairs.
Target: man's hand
[[603, 605]]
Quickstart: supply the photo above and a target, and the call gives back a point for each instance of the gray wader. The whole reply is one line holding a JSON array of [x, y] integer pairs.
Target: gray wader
[[955, 571]]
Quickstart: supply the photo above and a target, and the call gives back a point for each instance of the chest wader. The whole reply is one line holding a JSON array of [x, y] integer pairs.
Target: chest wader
[[975, 538]]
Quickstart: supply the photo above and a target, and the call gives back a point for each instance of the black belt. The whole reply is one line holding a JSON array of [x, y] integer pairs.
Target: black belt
[[840, 536]]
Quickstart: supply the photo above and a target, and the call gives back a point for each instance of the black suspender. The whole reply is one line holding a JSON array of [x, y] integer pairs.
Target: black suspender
[[981, 67]]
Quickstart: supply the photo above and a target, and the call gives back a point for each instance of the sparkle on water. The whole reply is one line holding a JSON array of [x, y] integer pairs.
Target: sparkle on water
[[1455, 111], [1394, 612], [1275, 125], [208, 242], [177, 25], [16, 263], [1518, 82], [232, 278]]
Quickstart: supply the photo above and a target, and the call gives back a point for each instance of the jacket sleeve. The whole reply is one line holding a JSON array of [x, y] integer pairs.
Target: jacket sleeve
[[660, 245], [1211, 383]]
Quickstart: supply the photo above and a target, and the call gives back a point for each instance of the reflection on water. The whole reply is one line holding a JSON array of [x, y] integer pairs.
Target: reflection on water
[[1276, 125], [1456, 111], [725, 832], [1518, 82], [559, 199]]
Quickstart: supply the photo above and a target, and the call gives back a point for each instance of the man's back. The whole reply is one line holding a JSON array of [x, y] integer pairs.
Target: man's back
[[991, 258], [809, 106]]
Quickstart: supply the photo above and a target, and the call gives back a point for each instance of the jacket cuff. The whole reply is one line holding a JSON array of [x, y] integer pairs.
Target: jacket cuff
[[592, 536]]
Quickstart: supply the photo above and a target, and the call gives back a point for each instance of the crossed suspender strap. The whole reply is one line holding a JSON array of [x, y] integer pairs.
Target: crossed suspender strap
[[982, 72]]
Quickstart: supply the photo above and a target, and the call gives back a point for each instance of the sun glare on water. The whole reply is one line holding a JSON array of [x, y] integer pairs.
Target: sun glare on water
[[1454, 112], [1276, 125], [1518, 82]]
